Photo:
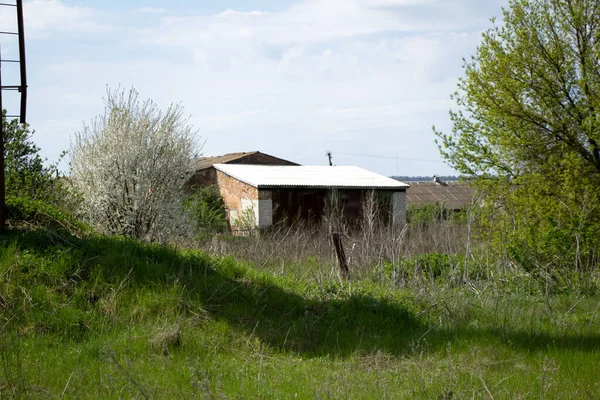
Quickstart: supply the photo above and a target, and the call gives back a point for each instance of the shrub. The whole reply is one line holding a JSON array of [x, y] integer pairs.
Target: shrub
[[26, 175], [131, 165], [430, 213], [207, 211]]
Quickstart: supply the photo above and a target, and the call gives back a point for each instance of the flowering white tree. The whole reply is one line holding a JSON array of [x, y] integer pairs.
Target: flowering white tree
[[130, 166]]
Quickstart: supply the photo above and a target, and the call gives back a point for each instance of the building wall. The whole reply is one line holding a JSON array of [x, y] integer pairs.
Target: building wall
[[399, 209], [265, 209], [249, 207], [204, 177], [240, 199]]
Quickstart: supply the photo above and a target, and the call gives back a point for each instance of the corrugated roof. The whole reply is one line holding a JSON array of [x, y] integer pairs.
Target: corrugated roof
[[452, 194], [269, 176]]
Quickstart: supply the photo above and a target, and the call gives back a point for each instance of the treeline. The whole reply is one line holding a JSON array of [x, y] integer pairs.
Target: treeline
[[406, 178]]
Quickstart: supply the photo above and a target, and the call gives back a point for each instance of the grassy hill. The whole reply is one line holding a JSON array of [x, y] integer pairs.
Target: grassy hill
[[100, 317]]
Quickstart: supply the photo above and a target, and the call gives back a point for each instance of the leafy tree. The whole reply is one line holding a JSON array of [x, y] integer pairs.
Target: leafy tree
[[130, 165], [528, 125], [26, 175]]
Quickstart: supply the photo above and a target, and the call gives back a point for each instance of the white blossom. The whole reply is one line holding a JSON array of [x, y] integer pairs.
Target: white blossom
[[131, 164]]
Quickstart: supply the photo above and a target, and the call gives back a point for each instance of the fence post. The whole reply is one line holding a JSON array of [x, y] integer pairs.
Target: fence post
[[341, 255]]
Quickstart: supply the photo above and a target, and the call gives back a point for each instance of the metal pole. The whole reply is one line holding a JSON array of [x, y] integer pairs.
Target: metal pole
[[23, 62], [2, 182]]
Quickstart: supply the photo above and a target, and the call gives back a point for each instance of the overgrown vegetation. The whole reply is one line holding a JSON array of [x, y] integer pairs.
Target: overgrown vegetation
[[432, 213], [500, 300], [25, 172], [206, 211], [526, 130], [111, 317]]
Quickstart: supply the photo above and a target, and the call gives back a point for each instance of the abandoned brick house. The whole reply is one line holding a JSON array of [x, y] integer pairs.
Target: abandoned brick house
[[263, 190], [453, 195]]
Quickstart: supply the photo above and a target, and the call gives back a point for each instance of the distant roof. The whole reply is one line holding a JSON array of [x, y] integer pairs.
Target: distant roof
[[270, 176], [207, 162], [452, 194]]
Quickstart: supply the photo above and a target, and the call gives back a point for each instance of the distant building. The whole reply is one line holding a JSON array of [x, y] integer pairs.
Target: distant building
[[454, 195], [270, 194]]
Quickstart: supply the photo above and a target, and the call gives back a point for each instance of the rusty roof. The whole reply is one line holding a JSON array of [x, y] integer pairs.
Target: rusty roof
[[453, 194], [207, 162]]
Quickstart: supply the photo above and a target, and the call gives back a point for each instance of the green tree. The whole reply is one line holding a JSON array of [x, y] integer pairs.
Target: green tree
[[26, 174], [528, 126]]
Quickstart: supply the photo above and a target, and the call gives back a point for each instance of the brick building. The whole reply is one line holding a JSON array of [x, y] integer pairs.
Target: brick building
[[264, 195], [205, 173]]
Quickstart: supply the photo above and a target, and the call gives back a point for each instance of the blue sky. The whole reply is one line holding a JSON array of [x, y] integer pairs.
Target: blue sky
[[365, 79]]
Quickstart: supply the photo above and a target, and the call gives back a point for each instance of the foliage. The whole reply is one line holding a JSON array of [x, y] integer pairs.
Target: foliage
[[26, 175], [541, 227], [426, 213], [105, 317], [528, 126], [207, 211], [130, 165], [246, 220], [41, 214]]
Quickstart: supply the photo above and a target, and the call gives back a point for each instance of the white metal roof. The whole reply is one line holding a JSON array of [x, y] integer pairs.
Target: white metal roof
[[271, 176]]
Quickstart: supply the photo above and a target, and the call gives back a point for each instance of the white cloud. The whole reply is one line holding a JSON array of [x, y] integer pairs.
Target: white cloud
[[44, 17], [354, 76], [149, 10], [314, 21]]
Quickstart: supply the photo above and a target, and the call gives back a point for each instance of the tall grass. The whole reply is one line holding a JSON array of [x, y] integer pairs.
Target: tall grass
[[307, 250]]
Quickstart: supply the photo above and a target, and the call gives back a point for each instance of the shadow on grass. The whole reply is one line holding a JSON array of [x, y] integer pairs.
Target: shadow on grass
[[334, 324]]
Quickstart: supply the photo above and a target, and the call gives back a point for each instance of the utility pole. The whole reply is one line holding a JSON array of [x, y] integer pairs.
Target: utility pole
[[22, 89], [2, 178], [329, 157]]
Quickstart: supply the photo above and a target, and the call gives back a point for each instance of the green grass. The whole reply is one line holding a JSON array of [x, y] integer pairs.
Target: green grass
[[106, 317]]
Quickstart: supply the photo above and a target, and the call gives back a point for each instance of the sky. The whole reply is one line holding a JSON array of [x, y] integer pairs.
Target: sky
[[364, 79]]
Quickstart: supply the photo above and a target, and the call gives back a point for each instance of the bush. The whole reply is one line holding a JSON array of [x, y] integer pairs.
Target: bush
[[131, 165], [26, 175], [206, 210], [430, 213]]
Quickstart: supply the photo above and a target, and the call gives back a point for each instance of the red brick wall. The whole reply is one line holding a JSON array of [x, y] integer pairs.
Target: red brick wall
[[204, 177], [233, 191]]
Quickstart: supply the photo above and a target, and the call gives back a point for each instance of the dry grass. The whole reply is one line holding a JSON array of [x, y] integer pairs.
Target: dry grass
[[166, 339], [308, 250]]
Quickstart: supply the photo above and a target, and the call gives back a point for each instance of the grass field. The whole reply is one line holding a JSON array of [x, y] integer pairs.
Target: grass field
[[102, 317]]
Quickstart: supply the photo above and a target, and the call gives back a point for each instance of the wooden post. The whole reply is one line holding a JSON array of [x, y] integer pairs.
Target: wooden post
[[341, 255]]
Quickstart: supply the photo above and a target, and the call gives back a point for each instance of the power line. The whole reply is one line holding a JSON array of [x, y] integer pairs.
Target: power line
[[390, 157]]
